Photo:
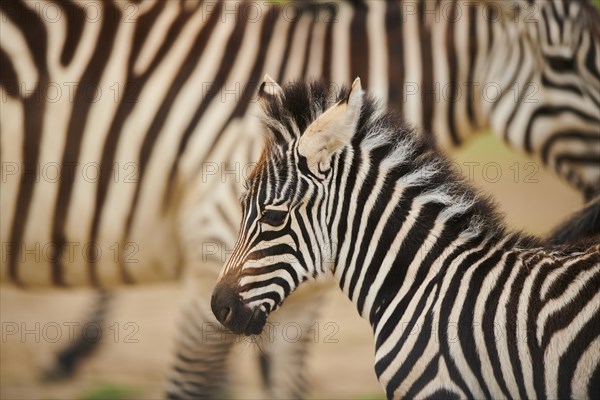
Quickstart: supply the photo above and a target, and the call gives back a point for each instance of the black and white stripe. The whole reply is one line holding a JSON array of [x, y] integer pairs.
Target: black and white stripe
[[460, 306]]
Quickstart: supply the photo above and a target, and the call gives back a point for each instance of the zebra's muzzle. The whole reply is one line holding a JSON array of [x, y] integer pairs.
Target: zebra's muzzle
[[229, 309]]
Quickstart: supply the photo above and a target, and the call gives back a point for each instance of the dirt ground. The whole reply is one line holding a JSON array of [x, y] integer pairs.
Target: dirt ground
[[531, 199]]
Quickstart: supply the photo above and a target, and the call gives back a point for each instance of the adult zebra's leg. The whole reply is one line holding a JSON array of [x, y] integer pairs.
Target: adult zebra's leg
[[286, 343], [202, 344], [200, 367], [69, 359]]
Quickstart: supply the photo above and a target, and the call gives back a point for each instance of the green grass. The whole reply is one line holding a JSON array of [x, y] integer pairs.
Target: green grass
[[482, 146], [110, 392], [372, 397]]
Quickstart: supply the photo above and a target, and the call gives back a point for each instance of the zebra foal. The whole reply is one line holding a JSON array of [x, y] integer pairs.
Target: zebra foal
[[460, 306]]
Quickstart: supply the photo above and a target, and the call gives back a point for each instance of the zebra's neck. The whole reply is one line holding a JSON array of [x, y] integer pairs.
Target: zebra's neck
[[401, 215]]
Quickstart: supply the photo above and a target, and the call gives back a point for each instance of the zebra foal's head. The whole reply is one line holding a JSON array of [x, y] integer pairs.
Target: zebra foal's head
[[284, 236]]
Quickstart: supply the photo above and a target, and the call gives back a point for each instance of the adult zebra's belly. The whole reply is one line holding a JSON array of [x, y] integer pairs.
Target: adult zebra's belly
[[150, 253]]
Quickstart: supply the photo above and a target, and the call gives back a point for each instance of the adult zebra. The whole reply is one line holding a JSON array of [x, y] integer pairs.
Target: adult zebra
[[460, 306], [130, 73]]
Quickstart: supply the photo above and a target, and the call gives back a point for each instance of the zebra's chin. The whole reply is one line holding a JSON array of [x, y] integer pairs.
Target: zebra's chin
[[257, 322]]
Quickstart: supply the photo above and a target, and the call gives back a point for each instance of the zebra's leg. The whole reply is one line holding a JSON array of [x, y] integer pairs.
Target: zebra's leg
[[199, 369], [285, 344], [583, 224], [69, 359]]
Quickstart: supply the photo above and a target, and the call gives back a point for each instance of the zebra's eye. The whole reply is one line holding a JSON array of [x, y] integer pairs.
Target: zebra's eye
[[561, 64], [273, 217]]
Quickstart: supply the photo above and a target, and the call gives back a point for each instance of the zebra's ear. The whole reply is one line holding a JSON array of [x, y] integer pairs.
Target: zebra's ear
[[332, 130], [269, 89]]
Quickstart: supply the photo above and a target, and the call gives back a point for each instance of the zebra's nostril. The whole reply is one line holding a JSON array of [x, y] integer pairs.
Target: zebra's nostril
[[225, 305], [226, 314]]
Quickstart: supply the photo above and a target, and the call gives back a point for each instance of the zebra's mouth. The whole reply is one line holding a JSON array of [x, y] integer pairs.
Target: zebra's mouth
[[256, 323]]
